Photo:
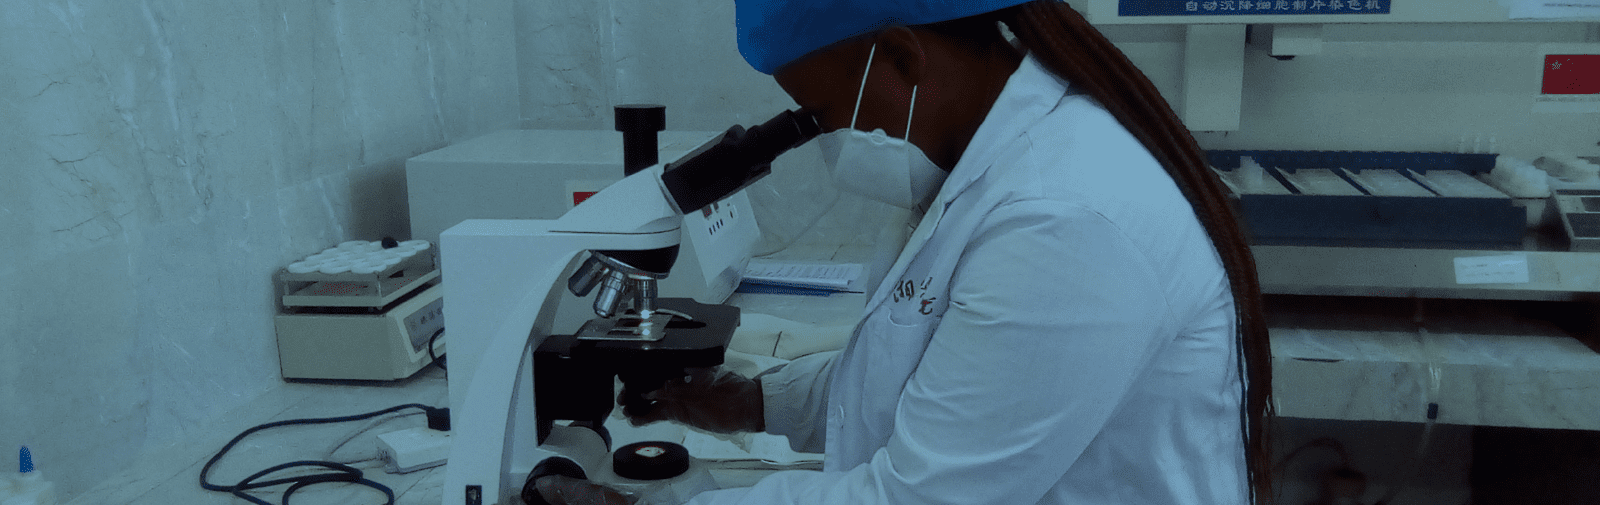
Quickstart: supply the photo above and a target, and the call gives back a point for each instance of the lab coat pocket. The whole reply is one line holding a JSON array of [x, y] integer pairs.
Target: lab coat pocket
[[906, 327], [913, 321], [869, 380]]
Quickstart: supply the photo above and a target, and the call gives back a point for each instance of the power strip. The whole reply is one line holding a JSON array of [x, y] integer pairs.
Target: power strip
[[413, 449]]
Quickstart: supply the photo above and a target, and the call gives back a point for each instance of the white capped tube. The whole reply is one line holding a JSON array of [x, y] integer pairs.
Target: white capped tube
[[1568, 168], [1251, 175], [337, 266], [367, 267], [1518, 178], [302, 267]]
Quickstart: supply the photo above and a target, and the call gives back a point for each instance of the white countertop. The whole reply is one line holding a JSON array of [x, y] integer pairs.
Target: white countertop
[[1483, 363], [170, 474]]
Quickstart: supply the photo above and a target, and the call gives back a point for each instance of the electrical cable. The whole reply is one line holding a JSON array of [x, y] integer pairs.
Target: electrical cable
[[437, 418], [1324, 442], [437, 360], [1408, 471], [1414, 466], [376, 422], [1416, 462]]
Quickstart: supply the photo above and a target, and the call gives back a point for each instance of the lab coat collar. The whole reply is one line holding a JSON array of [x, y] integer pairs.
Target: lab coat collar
[[1031, 93]]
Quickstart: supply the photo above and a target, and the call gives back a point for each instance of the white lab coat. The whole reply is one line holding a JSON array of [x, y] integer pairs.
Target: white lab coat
[[1057, 330]]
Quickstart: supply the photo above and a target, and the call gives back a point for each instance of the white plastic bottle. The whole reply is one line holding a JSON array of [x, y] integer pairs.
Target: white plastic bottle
[[27, 486]]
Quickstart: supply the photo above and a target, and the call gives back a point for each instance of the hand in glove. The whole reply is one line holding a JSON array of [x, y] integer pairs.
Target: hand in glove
[[564, 490], [713, 399], [559, 481]]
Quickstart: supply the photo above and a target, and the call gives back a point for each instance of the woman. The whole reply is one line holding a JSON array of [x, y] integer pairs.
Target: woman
[[1076, 317]]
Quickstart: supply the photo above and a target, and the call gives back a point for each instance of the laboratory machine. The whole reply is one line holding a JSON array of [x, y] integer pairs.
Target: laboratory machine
[[360, 311], [542, 174], [1580, 216], [1395, 224], [1421, 226], [516, 353]]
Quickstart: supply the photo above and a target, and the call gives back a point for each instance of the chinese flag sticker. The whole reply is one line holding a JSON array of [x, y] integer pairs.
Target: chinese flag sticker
[[579, 196], [1571, 74]]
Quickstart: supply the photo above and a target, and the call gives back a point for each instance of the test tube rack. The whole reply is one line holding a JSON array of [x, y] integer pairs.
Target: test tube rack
[[373, 290], [1449, 208]]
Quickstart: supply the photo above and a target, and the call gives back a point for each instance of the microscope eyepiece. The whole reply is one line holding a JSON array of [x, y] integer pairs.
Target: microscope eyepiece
[[639, 124], [735, 160]]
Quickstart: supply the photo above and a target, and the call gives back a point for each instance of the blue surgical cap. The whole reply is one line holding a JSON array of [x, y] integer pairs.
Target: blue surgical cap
[[774, 33]]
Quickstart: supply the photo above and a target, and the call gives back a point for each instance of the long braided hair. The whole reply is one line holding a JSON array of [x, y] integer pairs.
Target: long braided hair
[[1066, 44]]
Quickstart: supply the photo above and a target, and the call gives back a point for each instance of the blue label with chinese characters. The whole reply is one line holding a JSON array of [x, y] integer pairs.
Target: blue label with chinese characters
[[1249, 7]]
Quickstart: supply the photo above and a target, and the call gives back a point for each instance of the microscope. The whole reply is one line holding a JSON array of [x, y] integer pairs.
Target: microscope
[[515, 366]]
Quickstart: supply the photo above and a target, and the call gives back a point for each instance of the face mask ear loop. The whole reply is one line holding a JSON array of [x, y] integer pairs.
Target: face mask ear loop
[[912, 111], [863, 89]]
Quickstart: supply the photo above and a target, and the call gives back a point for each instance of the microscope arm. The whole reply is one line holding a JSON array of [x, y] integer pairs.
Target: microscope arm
[[504, 278], [504, 284]]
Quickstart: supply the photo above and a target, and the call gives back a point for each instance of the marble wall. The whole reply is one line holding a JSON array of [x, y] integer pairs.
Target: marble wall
[[162, 158], [589, 56]]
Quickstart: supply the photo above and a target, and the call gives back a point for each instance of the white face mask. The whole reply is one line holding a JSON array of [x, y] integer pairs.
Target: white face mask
[[877, 166]]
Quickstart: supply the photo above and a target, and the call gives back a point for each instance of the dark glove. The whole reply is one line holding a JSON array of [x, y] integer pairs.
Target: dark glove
[[564, 490], [559, 481], [713, 399]]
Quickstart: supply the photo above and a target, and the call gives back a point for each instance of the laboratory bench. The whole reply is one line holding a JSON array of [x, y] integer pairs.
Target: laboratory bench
[[1497, 344], [1516, 395], [1500, 363], [1482, 362], [1503, 336], [170, 474]]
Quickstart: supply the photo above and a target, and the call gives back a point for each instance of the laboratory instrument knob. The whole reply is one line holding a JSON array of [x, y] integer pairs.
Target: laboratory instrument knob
[[650, 460]]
